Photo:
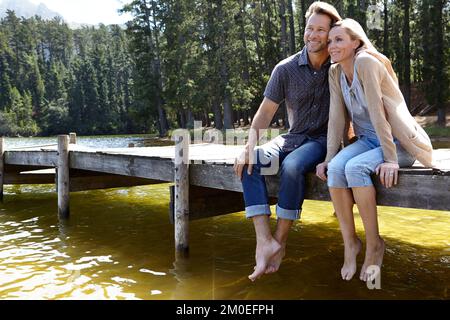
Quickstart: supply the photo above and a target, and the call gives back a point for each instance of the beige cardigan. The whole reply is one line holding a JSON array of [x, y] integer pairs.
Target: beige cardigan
[[387, 111]]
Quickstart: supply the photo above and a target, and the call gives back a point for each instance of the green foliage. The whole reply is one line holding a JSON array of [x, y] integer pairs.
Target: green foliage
[[185, 60], [54, 79]]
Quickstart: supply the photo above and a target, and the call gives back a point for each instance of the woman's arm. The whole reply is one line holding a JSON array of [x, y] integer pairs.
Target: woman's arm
[[371, 73], [336, 123], [337, 120]]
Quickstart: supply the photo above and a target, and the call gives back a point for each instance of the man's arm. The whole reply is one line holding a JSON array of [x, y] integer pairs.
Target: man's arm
[[261, 121]]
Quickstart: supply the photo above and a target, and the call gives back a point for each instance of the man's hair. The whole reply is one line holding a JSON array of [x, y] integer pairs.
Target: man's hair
[[320, 7]]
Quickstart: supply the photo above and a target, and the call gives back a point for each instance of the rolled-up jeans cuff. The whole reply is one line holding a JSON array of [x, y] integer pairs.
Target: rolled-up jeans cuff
[[257, 210], [288, 214]]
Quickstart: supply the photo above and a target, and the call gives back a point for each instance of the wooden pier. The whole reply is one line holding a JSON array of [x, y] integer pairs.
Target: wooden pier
[[203, 176]]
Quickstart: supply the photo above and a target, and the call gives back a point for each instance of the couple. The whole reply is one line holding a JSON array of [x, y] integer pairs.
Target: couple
[[325, 102]]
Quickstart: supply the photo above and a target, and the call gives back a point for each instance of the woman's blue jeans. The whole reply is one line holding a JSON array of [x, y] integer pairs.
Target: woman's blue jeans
[[353, 166], [292, 167]]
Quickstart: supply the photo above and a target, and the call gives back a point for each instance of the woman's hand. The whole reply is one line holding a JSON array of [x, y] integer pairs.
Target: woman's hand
[[388, 173], [321, 171]]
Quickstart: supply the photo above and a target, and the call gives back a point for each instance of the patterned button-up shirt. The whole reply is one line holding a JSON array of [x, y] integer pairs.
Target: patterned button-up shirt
[[306, 94]]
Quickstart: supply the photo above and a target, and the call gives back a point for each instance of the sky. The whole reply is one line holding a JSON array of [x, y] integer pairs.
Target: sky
[[88, 11]]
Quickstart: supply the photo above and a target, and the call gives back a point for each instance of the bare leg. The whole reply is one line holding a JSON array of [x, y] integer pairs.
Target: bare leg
[[343, 206], [365, 198], [266, 245], [281, 235]]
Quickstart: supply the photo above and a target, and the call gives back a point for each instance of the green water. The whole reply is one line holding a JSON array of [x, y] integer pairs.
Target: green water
[[118, 244]]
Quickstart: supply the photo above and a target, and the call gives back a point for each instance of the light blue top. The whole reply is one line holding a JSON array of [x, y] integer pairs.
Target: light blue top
[[356, 104]]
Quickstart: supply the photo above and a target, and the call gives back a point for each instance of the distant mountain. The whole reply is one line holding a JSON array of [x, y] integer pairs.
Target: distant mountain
[[27, 9]]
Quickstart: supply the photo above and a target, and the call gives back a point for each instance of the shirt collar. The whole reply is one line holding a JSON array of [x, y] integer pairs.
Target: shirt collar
[[303, 59]]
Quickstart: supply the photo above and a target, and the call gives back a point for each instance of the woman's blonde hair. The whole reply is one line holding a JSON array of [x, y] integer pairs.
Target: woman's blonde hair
[[356, 32]]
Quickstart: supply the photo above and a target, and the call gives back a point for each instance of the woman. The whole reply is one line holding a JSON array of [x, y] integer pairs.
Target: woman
[[364, 91]]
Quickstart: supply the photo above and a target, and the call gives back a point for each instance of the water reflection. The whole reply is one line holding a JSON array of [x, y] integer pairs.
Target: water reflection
[[118, 244]]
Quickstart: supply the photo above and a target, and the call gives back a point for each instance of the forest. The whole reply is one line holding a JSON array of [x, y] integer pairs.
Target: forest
[[183, 60]]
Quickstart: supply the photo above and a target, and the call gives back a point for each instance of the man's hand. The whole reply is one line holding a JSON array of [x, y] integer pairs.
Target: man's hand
[[388, 173], [245, 158], [321, 171]]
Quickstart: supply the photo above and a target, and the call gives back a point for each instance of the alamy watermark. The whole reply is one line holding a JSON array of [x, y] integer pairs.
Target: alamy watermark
[[374, 14], [230, 137], [374, 280]]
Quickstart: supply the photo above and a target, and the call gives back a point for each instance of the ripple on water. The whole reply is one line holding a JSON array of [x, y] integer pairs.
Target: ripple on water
[[119, 244]]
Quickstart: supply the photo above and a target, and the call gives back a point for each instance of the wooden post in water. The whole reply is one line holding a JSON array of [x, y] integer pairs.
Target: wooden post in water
[[181, 194], [72, 138], [63, 177], [2, 166]]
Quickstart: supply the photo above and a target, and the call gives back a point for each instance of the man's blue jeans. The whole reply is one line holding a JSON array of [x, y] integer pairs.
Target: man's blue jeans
[[292, 165]]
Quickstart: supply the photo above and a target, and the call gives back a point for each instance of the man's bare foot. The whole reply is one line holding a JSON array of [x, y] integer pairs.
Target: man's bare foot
[[350, 254], [374, 256], [264, 253], [274, 263]]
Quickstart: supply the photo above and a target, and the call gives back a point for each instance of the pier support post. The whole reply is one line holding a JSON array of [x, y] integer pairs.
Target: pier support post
[[63, 177], [2, 166], [72, 138], [181, 194]]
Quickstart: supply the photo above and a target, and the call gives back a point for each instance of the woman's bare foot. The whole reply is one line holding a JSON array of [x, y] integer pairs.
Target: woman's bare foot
[[351, 252], [265, 251], [374, 256], [274, 263]]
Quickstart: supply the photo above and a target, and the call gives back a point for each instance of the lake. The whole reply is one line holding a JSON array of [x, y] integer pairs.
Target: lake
[[119, 244]]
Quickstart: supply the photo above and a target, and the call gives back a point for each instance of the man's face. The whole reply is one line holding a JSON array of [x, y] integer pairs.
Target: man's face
[[316, 32]]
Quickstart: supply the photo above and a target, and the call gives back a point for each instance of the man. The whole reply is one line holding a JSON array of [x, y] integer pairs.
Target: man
[[301, 81]]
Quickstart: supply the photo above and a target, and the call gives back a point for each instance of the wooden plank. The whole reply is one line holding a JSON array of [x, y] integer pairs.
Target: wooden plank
[[128, 165], [12, 168], [106, 182], [415, 191], [181, 197], [72, 138], [412, 191], [208, 202], [12, 178], [419, 187], [63, 178], [2, 166], [32, 158]]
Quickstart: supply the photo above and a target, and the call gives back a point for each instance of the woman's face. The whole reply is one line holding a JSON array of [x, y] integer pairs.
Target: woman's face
[[340, 46]]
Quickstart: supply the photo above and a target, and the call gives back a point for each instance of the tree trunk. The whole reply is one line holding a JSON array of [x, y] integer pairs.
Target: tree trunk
[[189, 119], [224, 71], [227, 111], [244, 52], [362, 7], [303, 18], [218, 122], [441, 80], [292, 48], [246, 116], [386, 29], [206, 120], [163, 116], [181, 119], [257, 25], [407, 56], [284, 48]]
